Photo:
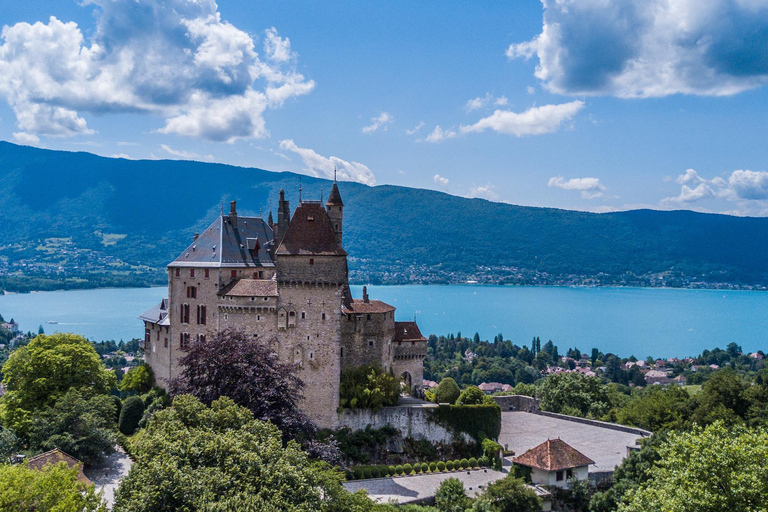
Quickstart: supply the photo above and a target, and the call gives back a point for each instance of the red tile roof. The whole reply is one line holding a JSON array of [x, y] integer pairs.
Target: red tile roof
[[408, 331], [250, 288], [553, 455], [357, 306], [55, 456], [310, 233]]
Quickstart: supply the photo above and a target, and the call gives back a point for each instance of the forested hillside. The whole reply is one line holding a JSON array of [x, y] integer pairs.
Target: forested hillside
[[76, 219]]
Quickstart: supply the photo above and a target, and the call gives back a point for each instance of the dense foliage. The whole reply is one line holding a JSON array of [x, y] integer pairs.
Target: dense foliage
[[139, 379], [508, 494], [195, 457], [447, 391], [55, 488], [77, 424], [234, 365], [478, 421], [368, 387], [130, 415], [451, 496], [38, 375]]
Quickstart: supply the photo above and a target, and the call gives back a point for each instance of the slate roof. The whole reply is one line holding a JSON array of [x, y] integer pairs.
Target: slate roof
[[158, 314], [408, 331], [55, 456], [334, 198], [223, 244], [250, 288], [357, 306], [553, 455], [310, 233]]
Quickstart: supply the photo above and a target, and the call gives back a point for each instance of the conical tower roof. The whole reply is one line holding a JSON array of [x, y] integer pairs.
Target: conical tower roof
[[334, 198]]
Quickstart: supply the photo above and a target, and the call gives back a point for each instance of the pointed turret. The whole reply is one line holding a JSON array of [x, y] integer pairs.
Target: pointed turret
[[335, 207]]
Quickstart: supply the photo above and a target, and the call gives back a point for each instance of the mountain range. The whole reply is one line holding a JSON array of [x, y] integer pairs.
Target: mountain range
[[77, 219]]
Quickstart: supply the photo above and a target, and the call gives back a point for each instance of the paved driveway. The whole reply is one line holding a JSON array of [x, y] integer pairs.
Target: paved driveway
[[521, 431], [407, 489], [108, 474]]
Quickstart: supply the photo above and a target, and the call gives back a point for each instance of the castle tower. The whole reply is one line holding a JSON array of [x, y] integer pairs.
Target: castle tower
[[335, 208], [283, 218]]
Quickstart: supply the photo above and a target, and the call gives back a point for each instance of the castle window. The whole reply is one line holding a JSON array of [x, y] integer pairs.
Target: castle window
[[178, 272], [342, 351], [201, 315], [158, 336], [226, 316], [370, 343], [266, 298], [184, 340], [258, 318], [368, 317], [191, 272], [311, 261], [311, 355], [185, 313], [233, 274], [191, 292], [322, 315], [146, 336], [201, 338], [261, 274], [207, 273], [303, 315]]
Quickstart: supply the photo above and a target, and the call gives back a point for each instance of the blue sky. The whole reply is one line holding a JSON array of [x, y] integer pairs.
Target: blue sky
[[595, 105]]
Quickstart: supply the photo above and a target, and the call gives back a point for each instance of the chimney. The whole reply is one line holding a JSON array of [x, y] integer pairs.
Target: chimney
[[365, 295], [233, 212], [195, 236]]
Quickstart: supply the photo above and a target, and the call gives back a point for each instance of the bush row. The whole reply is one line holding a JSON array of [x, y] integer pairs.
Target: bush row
[[363, 472]]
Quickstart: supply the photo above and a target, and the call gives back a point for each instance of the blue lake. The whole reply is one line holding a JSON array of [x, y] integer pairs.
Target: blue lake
[[643, 322]]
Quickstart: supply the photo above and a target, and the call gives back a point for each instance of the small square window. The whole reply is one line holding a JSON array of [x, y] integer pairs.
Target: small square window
[[233, 274], [311, 261], [207, 273], [178, 272], [559, 476], [370, 343], [191, 272]]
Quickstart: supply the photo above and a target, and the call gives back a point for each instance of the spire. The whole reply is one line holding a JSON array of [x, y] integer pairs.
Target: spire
[[269, 220], [299, 190], [334, 198]]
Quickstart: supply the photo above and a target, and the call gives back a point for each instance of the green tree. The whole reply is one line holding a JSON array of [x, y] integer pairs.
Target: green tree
[[368, 387], [82, 427], [130, 415], [509, 494], [55, 488], [447, 391], [219, 458], [712, 469], [574, 393], [139, 379], [451, 496], [473, 396], [722, 397], [10, 444], [38, 375], [656, 408]]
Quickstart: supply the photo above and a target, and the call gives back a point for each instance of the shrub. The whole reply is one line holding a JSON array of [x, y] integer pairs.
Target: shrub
[[399, 469], [419, 468], [451, 497], [375, 473], [368, 387], [408, 469], [118, 407], [358, 473], [130, 415], [447, 391], [472, 396], [482, 461], [464, 463], [473, 462], [349, 474], [391, 471], [449, 465], [367, 473], [441, 466], [432, 467]]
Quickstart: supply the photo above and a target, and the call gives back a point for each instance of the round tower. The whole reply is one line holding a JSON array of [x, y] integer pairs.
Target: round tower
[[335, 207]]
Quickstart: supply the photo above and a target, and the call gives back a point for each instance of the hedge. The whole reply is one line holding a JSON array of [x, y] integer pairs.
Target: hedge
[[130, 415], [478, 421]]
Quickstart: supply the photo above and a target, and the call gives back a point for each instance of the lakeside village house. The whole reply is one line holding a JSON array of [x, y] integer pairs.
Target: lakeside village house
[[286, 284]]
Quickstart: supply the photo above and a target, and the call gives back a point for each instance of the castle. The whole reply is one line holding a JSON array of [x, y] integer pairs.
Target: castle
[[286, 284]]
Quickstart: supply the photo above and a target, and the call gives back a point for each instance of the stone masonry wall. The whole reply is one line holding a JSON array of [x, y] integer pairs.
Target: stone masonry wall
[[412, 422], [367, 339]]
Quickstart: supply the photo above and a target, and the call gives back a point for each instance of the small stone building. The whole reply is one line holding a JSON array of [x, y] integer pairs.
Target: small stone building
[[286, 284], [553, 462], [55, 456]]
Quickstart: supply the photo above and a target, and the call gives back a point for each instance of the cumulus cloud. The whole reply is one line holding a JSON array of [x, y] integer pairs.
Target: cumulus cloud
[[415, 128], [26, 138], [185, 155], [652, 48], [487, 191], [382, 120], [439, 135], [440, 180], [534, 121], [742, 186], [319, 165], [176, 59], [590, 188], [482, 102]]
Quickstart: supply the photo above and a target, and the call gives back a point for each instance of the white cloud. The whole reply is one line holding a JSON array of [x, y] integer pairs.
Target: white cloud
[[749, 185], [590, 188], [484, 101], [415, 128], [185, 155], [487, 191], [175, 59], [530, 89], [122, 155], [440, 180], [651, 48], [748, 188], [439, 135], [26, 138], [317, 164], [534, 121], [382, 120]]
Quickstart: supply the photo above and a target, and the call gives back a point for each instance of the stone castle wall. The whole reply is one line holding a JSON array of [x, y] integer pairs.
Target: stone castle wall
[[367, 339]]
